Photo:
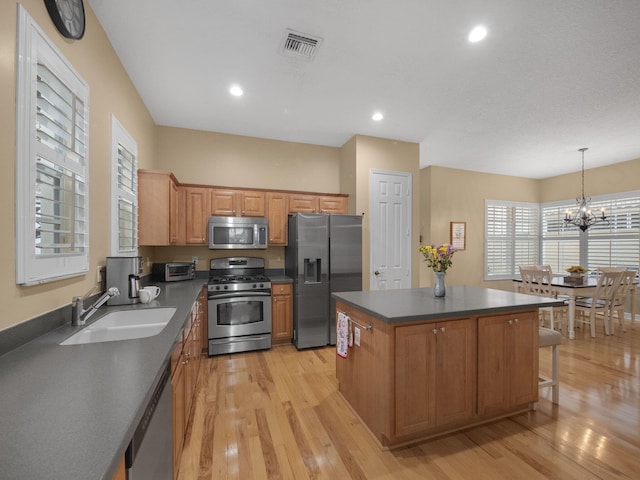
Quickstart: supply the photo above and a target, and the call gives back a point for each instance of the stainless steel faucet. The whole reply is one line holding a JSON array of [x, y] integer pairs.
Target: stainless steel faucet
[[78, 313]]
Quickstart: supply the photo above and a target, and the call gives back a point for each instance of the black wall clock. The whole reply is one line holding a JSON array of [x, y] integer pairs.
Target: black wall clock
[[67, 16]]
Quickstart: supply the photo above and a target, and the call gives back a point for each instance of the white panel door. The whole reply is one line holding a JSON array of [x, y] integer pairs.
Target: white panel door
[[390, 230]]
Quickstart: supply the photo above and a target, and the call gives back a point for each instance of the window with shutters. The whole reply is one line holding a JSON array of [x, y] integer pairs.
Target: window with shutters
[[52, 188], [124, 192], [512, 237], [614, 243]]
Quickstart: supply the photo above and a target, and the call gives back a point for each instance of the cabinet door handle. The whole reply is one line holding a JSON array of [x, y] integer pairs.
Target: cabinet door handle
[[435, 331], [516, 320], [442, 329], [510, 322]]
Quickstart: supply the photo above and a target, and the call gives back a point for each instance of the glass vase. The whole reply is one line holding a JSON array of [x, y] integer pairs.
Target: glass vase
[[439, 289]]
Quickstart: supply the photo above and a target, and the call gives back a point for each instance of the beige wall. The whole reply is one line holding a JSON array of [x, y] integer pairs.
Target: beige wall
[[211, 158], [110, 92], [620, 177], [458, 195]]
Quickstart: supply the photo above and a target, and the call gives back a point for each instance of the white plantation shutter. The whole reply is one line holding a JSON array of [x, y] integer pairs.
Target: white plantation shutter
[[560, 243], [52, 191], [613, 243], [616, 242], [124, 182], [512, 237]]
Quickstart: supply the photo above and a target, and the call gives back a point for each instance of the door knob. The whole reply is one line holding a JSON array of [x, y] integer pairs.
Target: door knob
[[376, 273]]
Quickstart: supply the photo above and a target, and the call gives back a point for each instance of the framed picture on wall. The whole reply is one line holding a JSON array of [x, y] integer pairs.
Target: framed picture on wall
[[458, 231]]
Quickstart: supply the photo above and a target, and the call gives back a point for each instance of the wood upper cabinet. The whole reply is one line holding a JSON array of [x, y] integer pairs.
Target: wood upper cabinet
[[435, 375], [507, 361], [277, 215], [198, 206], [121, 473], [304, 203], [300, 203], [158, 208], [333, 204], [237, 203], [281, 312]]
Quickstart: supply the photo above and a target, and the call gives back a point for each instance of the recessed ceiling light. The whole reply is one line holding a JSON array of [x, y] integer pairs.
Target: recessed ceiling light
[[377, 116], [477, 34], [236, 91]]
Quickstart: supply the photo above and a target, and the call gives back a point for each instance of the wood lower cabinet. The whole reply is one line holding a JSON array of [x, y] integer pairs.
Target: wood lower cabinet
[[507, 349], [121, 472], [178, 403], [186, 359], [277, 215], [237, 203], [281, 313], [158, 208], [435, 375], [198, 206]]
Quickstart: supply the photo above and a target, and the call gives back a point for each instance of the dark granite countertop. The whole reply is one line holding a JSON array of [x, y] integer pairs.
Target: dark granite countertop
[[69, 412], [412, 304]]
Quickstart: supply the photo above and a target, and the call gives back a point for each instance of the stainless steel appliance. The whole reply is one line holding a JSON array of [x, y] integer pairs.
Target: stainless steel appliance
[[323, 255], [123, 273], [150, 453], [238, 232], [239, 305], [173, 271]]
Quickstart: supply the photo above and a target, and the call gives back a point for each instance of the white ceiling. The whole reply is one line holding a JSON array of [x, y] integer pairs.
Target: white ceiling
[[552, 75]]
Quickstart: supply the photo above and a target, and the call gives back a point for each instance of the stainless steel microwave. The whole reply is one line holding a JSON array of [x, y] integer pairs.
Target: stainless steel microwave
[[238, 232]]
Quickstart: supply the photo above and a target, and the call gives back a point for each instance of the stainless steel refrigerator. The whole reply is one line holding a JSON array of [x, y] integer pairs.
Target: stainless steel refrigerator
[[323, 255]]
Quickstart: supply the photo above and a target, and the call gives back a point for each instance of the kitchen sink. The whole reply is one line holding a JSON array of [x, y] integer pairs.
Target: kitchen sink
[[124, 325]]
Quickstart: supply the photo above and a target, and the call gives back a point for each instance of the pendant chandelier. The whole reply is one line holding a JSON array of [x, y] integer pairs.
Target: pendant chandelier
[[583, 217]]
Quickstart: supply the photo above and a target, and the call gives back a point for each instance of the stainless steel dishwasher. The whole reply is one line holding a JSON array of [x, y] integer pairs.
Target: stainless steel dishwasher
[[150, 453]]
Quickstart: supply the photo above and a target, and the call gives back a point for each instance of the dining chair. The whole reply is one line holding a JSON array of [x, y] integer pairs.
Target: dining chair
[[550, 338], [537, 281], [617, 304], [599, 306]]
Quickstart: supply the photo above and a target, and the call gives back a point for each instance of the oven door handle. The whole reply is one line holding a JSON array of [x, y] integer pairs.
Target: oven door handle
[[240, 294]]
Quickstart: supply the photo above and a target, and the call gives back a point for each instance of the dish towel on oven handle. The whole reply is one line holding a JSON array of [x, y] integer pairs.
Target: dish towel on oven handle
[[342, 334]]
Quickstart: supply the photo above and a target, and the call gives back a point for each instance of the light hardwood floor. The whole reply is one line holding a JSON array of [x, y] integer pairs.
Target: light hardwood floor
[[277, 415]]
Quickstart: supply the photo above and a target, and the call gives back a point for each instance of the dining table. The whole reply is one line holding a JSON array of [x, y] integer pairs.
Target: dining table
[[572, 290]]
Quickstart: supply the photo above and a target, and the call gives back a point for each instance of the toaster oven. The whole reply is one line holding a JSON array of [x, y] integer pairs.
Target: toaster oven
[[173, 271]]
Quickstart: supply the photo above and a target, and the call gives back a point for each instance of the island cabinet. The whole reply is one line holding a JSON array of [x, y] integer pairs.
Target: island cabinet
[[416, 376], [435, 372], [505, 355], [237, 203]]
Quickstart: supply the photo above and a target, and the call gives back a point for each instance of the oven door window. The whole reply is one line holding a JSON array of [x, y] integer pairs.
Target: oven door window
[[240, 312], [233, 235]]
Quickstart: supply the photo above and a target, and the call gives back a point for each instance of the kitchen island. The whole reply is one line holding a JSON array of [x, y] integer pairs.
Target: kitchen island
[[427, 366]]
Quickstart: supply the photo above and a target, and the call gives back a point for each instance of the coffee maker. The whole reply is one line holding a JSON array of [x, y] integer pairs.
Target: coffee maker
[[124, 274]]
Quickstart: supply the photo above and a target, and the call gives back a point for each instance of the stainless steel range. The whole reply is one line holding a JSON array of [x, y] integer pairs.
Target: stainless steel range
[[239, 305]]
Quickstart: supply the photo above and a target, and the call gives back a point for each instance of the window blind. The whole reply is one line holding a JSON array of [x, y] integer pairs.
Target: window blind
[[127, 201], [511, 239]]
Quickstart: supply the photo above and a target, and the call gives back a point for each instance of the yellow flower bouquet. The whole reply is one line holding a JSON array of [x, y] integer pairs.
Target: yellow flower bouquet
[[438, 258]]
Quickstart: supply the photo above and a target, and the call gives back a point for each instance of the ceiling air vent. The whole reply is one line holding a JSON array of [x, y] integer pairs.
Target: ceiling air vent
[[300, 45]]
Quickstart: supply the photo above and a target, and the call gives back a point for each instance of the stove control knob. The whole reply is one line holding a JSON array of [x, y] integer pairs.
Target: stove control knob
[[226, 287], [217, 287], [262, 285], [254, 285]]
